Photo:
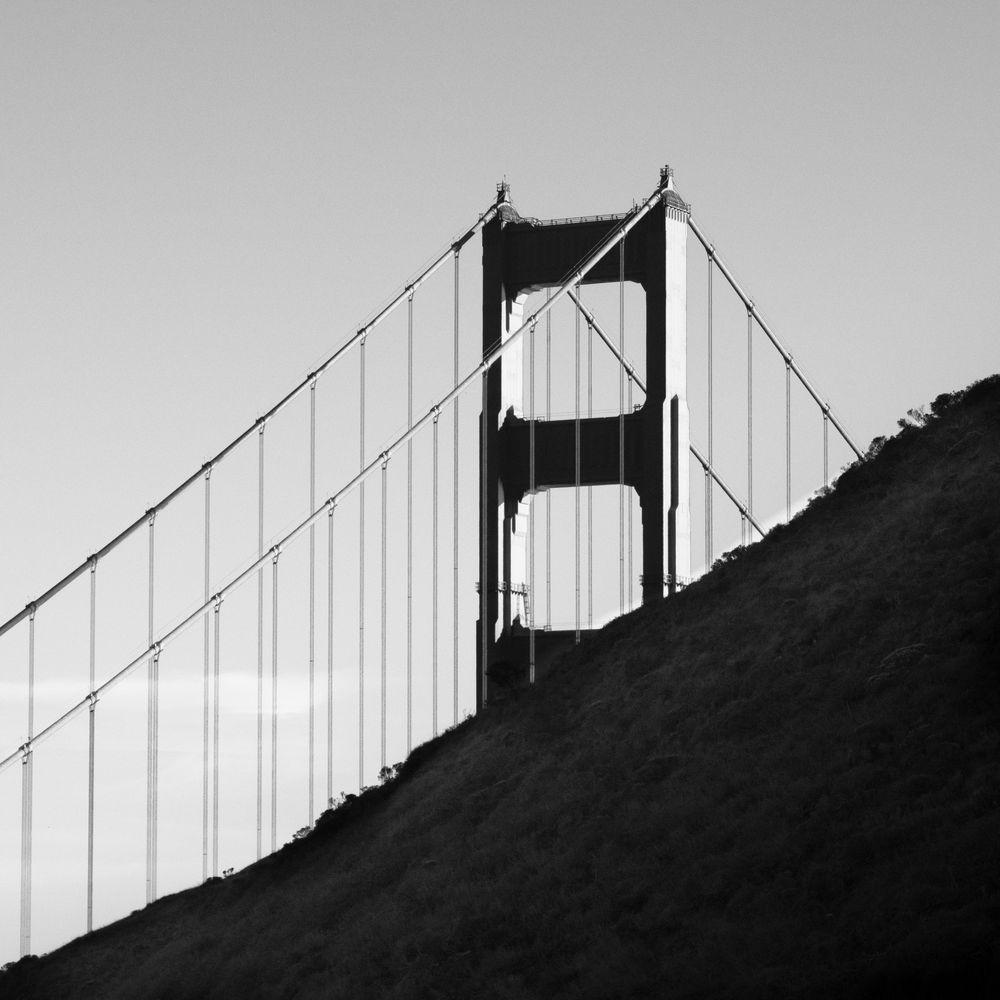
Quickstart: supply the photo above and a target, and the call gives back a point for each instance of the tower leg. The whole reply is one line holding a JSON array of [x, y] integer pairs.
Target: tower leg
[[676, 481]]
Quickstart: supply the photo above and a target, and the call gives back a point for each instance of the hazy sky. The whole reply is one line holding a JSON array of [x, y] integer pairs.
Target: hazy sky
[[201, 201]]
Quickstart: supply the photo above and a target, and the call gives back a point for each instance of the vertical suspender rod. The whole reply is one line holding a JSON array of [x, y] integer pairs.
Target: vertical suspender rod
[[548, 493], [361, 584], [629, 505], [206, 689], [215, 744], [826, 445], [151, 712], [27, 795], [91, 744], [590, 489], [709, 484], [434, 581], [329, 654], [409, 533], [274, 699], [529, 609], [576, 466], [621, 428], [484, 498], [156, 768], [260, 641], [454, 552], [382, 645], [312, 605], [750, 411], [788, 441]]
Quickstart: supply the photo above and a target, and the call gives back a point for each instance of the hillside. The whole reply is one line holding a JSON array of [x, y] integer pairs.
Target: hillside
[[783, 782]]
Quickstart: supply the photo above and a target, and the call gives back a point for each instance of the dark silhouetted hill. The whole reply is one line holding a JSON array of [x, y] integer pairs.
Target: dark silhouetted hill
[[783, 782]]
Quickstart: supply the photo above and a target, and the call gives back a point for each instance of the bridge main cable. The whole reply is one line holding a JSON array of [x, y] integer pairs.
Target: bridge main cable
[[762, 323], [641, 385], [474, 376], [354, 341]]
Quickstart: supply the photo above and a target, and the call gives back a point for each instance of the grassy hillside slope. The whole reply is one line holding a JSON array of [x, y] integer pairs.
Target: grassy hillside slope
[[783, 782]]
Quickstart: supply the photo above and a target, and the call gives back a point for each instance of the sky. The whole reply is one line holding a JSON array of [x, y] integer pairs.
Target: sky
[[202, 201]]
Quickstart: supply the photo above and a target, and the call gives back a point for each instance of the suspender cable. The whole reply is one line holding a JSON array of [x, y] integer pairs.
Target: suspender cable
[[156, 767], [485, 626], [312, 603], [26, 794], [826, 443], [91, 744], [434, 582], [576, 465], [260, 645], [454, 546], [329, 654], [274, 698], [709, 489], [529, 604], [361, 587], [409, 536], [762, 323], [477, 374], [590, 489], [750, 411], [630, 581], [621, 429], [548, 494], [152, 817], [31, 671], [151, 715], [354, 341], [26, 801], [788, 441], [385, 466], [708, 520], [206, 690], [215, 745]]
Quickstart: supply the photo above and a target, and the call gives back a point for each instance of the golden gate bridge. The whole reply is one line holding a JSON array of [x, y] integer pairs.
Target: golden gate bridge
[[352, 573]]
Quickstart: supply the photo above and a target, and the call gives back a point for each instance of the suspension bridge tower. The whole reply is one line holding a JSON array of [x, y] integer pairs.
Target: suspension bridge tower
[[646, 450]]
